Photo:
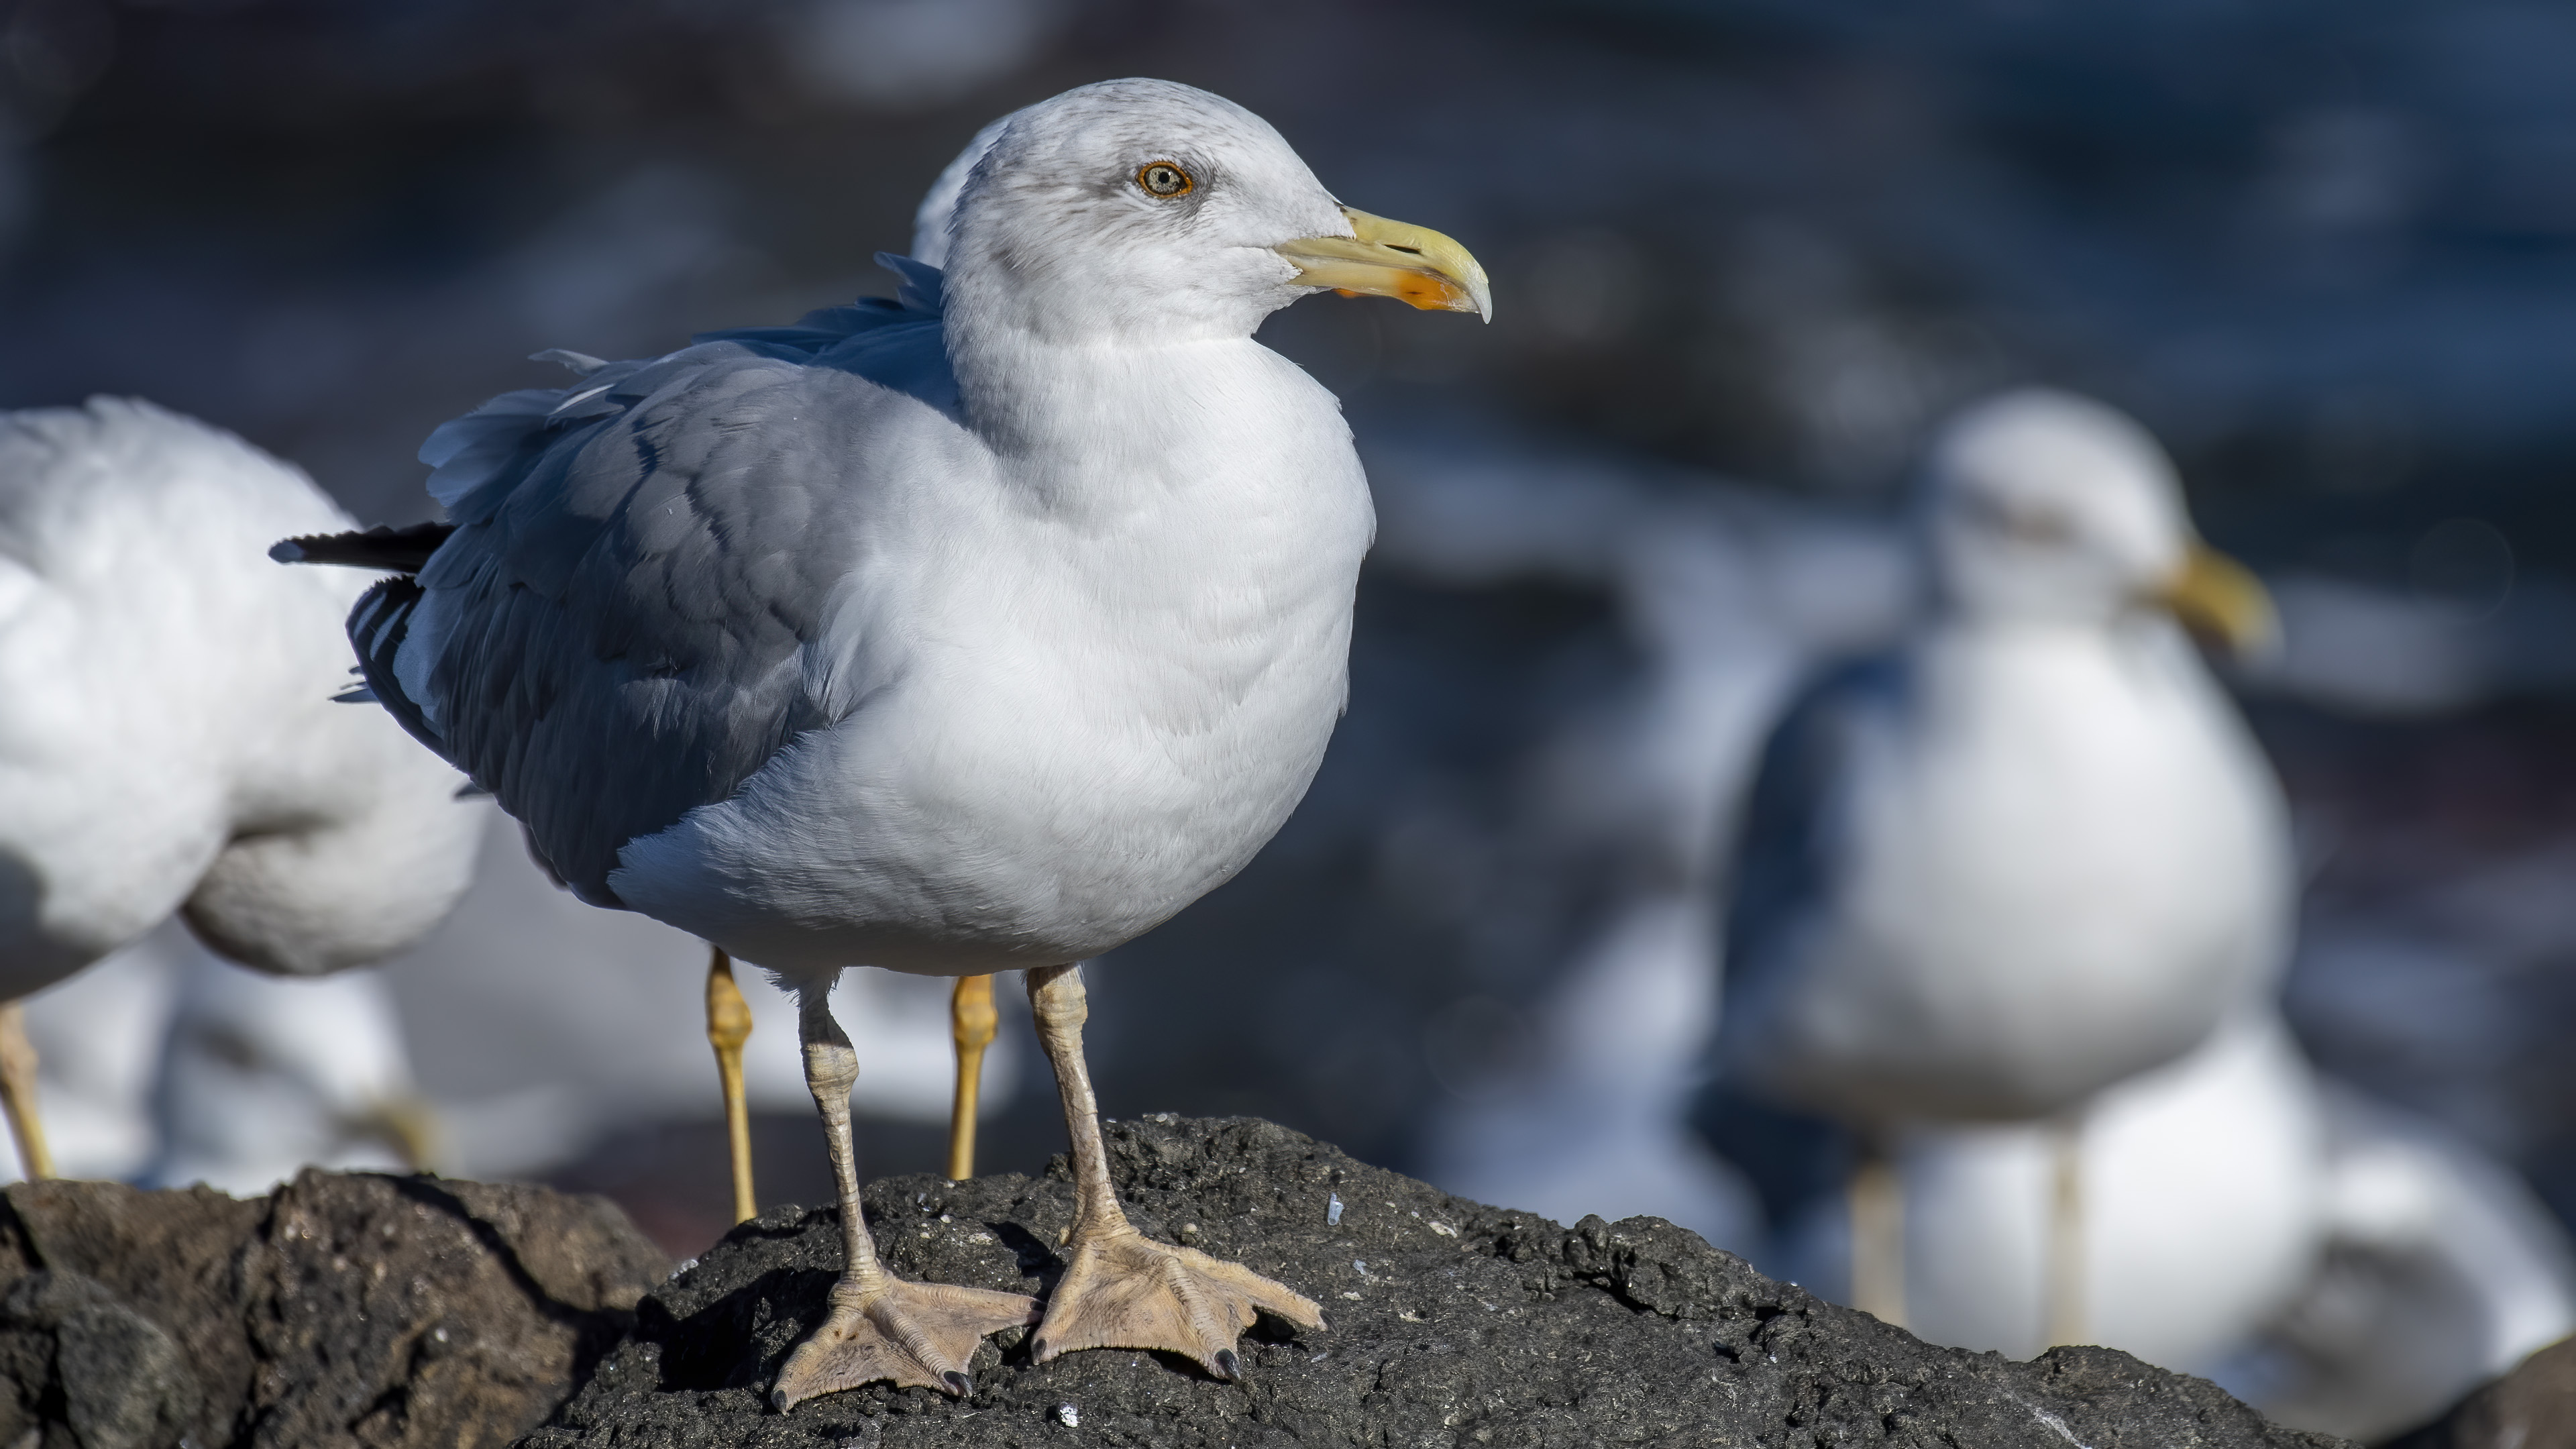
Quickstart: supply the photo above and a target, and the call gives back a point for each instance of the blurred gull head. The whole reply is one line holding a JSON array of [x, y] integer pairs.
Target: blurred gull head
[[2043, 507]]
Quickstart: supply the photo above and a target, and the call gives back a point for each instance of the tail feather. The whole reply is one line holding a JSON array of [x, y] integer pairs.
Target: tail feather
[[377, 625], [396, 550]]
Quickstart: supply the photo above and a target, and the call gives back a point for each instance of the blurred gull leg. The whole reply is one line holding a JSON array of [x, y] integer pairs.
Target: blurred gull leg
[[970, 1021], [2066, 1306], [1878, 1233], [728, 1027], [18, 1093]]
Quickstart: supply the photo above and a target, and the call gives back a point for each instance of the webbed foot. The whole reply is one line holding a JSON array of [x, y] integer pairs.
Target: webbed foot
[[917, 1335], [1122, 1289]]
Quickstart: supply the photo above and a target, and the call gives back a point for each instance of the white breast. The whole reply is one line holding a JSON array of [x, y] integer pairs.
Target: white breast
[[2064, 870], [1108, 671]]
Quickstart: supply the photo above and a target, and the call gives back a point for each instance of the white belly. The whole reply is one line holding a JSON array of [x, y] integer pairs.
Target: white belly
[[2067, 869]]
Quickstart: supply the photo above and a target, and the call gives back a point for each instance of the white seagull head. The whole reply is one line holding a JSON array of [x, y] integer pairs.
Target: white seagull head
[[2044, 506], [1144, 210]]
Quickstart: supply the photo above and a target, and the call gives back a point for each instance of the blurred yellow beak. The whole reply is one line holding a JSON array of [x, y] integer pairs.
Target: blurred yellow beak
[[1391, 259], [2220, 600]]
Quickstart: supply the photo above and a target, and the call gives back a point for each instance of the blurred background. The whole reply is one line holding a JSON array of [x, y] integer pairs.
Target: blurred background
[[1746, 254]]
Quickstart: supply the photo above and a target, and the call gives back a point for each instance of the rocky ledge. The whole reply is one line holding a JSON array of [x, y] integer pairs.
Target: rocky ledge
[[1450, 1323], [340, 1310], [373, 1310]]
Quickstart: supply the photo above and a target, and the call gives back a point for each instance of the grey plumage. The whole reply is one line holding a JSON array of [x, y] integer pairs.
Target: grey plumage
[[1784, 867], [644, 555]]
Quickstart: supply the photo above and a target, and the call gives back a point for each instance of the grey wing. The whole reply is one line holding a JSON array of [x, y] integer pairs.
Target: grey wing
[[615, 633], [1783, 865]]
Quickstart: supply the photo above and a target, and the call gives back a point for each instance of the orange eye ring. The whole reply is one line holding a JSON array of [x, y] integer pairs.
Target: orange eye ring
[[1165, 180]]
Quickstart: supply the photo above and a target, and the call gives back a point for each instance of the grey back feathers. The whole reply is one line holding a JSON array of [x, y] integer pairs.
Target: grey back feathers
[[645, 555]]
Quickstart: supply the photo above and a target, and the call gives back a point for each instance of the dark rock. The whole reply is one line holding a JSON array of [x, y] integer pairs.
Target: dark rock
[[1450, 1324], [2533, 1407], [339, 1310], [92, 1368]]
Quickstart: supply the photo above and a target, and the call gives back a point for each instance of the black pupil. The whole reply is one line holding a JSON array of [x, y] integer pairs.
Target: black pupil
[[1162, 180]]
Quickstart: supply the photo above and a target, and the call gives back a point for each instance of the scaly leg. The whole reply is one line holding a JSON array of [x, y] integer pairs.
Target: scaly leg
[[919, 1335], [1120, 1288], [728, 1027], [1877, 1197], [970, 1025], [2066, 1307], [18, 1093]]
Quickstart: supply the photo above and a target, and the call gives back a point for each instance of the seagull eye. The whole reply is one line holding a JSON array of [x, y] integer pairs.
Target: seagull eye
[[1163, 179]]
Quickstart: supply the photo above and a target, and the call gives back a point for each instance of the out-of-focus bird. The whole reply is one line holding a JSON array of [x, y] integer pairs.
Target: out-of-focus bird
[[98, 1036], [169, 740], [2033, 850], [261, 1076], [2205, 1209], [2440, 1271], [983, 629]]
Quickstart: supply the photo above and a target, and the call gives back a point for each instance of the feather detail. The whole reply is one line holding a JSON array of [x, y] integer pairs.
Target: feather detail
[[397, 550]]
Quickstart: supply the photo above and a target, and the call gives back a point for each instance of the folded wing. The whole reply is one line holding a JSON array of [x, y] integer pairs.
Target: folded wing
[[620, 627]]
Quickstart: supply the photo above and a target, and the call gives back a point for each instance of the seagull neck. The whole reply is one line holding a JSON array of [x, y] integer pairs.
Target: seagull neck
[[1024, 393]]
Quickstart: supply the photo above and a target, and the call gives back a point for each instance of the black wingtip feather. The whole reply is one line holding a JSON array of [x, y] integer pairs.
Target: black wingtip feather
[[376, 626], [396, 550]]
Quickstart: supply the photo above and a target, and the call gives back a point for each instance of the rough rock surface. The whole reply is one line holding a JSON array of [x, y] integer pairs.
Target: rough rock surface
[[2533, 1407], [1449, 1324], [339, 1310]]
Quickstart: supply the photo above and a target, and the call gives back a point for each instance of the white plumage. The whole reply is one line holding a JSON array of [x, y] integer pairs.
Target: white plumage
[[168, 738], [2026, 855], [2032, 852], [2205, 1210], [262, 1076]]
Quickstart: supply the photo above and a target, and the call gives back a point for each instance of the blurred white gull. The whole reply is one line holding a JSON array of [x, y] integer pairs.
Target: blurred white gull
[[2343, 1266], [98, 1037], [983, 630], [2440, 1271], [163, 1064], [169, 740], [261, 1076], [2031, 852], [1728, 594], [2205, 1210]]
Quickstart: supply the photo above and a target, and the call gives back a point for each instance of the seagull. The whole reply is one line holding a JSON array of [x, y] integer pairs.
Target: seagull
[[2029, 852], [2206, 1187], [168, 737], [984, 628]]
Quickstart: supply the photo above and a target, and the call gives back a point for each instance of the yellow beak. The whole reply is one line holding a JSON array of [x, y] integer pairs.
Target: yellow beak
[[2220, 599], [1392, 259]]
